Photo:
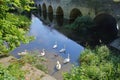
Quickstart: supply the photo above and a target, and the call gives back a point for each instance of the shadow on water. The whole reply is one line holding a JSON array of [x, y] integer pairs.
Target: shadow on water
[[39, 10], [40, 13], [45, 15], [59, 19], [50, 16], [45, 37]]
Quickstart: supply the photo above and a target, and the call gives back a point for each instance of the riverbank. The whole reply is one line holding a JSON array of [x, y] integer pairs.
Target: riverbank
[[52, 58], [50, 61], [35, 74], [32, 72]]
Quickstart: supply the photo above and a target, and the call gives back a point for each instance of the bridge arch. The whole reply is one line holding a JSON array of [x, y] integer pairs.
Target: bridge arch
[[44, 10], [74, 13], [106, 27], [59, 15], [59, 11], [50, 13]]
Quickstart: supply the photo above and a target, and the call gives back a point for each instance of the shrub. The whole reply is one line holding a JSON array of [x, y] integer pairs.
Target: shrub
[[97, 64], [12, 72], [82, 25]]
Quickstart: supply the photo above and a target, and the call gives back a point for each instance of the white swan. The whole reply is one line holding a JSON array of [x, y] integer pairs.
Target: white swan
[[42, 53], [62, 50], [23, 53], [58, 65], [55, 45], [117, 27], [66, 60]]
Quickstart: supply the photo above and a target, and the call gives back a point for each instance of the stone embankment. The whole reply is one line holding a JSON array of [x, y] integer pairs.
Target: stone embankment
[[32, 72]]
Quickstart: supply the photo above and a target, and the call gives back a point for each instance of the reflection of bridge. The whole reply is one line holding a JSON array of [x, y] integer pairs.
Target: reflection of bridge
[[71, 9]]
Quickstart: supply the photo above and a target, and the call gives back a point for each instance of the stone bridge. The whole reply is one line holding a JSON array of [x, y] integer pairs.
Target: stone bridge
[[71, 9], [106, 13], [65, 6]]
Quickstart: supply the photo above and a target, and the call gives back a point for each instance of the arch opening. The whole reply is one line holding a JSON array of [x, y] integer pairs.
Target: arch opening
[[106, 27], [44, 11], [59, 16], [74, 14], [50, 13]]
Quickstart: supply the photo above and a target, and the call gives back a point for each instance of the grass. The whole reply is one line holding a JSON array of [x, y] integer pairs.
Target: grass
[[33, 59]]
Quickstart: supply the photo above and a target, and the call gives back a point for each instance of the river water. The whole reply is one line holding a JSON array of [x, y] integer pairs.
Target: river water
[[45, 37]]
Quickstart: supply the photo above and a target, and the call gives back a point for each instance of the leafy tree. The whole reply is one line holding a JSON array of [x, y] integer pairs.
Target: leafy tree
[[82, 28], [12, 27], [12, 72], [97, 64], [22, 5], [82, 24], [3, 8]]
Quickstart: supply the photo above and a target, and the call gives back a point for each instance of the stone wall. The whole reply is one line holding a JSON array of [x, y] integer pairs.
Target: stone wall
[[67, 6], [109, 7]]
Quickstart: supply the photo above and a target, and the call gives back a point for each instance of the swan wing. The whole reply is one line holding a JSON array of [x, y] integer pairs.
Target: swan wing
[[55, 46], [43, 53], [19, 53], [58, 66], [62, 50], [66, 60]]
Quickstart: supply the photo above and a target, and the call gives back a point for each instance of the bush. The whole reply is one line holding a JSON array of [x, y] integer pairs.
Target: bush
[[82, 29], [13, 27], [98, 64], [12, 72], [82, 25], [33, 59], [18, 20]]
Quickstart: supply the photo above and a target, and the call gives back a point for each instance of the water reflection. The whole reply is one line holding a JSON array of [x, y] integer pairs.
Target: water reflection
[[39, 11], [59, 19], [46, 37], [50, 16], [45, 15]]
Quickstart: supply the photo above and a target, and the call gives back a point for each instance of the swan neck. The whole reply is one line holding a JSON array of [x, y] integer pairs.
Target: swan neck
[[68, 56]]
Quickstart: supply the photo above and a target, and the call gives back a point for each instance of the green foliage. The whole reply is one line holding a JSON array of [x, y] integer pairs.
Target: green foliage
[[33, 59], [3, 8], [15, 70], [18, 20], [82, 29], [13, 27], [12, 35], [12, 72], [21, 5], [98, 64], [82, 24], [41, 67]]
